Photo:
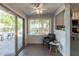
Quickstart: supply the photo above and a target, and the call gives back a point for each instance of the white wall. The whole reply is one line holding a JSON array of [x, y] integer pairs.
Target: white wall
[[63, 36], [67, 19], [60, 34], [37, 39]]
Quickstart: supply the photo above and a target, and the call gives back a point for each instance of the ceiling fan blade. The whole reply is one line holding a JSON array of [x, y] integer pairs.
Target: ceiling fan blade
[[35, 4], [33, 11], [34, 8], [43, 9], [41, 5]]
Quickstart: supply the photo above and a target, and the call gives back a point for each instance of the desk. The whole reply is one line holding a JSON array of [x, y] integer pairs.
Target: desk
[[55, 46]]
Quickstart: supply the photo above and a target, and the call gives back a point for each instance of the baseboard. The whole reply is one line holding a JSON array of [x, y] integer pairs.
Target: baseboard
[[34, 43]]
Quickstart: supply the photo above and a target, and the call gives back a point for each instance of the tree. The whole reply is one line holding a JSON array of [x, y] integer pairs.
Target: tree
[[9, 20]]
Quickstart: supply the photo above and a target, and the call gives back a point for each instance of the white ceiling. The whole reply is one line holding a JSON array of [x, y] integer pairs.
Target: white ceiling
[[26, 7]]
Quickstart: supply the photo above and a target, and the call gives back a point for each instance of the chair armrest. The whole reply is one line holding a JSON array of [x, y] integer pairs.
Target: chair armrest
[[47, 37], [52, 43]]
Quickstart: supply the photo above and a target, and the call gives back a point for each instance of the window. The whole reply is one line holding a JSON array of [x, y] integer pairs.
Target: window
[[39, 26], [59, 22]]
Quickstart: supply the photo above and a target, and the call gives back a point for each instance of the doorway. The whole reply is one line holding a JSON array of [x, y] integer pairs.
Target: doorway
[[75, 29]]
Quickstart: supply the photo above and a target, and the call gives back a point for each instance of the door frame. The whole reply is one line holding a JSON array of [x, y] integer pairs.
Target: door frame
[[16, 39]]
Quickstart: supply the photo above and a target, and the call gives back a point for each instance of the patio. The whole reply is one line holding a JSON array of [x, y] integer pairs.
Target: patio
[[7, 45]]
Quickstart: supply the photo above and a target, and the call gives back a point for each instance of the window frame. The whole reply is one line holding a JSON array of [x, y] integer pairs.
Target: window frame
[[58, 27], [41, 23]]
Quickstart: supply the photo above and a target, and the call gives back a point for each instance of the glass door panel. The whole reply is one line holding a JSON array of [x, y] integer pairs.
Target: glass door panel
[[19, 33], [7, 33]]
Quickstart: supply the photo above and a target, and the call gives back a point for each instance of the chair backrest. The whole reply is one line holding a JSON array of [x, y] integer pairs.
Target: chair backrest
[[52, 36]]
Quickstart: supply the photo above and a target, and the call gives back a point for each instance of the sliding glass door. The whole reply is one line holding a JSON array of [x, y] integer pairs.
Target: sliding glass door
[[11, 33], [19, 33], [7, 33]]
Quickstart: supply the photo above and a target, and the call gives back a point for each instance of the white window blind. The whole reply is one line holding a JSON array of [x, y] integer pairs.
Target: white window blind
[[38, 26]]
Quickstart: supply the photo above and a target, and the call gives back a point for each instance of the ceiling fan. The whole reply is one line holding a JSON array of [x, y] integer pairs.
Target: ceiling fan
[[39, 8]]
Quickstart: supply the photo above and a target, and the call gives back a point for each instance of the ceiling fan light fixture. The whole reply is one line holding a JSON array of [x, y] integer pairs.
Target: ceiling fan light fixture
[[38, 8], [39, 11]]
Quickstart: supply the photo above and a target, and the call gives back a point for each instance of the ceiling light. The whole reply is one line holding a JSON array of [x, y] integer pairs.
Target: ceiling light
[[39, 11]]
